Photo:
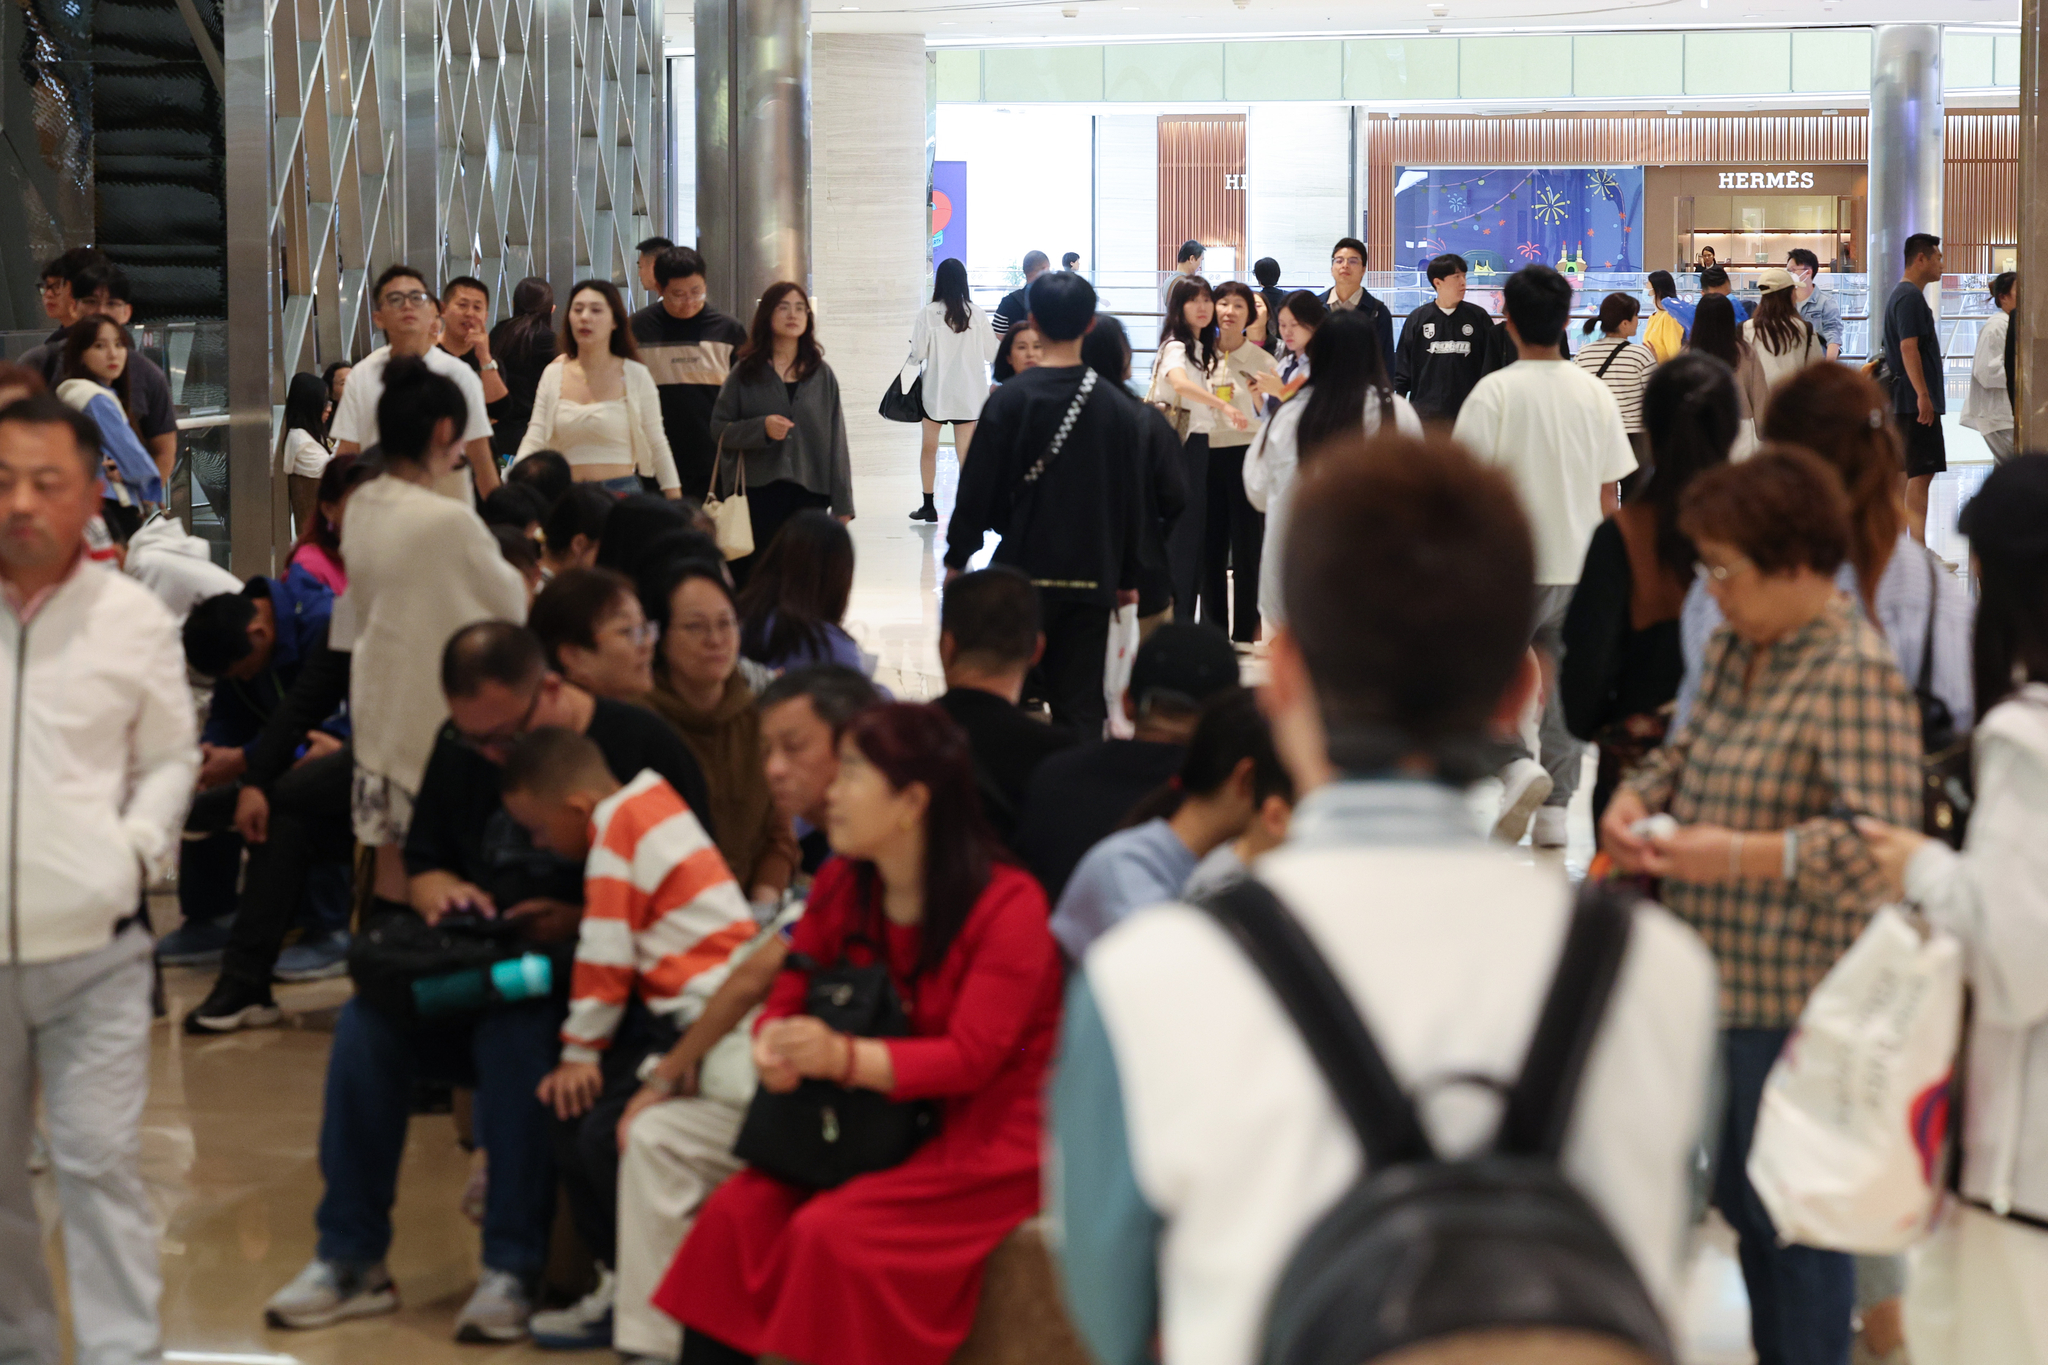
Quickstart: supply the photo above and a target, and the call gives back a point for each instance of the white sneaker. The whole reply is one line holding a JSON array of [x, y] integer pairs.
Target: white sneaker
[[1524, 788], [497, 1311], [1550, 827], [585, 1325], [325, 1293]]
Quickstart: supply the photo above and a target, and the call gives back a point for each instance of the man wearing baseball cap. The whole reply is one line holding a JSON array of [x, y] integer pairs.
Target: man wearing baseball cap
[[1080, 797]]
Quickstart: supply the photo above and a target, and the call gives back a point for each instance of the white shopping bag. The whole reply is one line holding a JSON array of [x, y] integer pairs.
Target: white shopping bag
[[1850, 1139], [1116, 669]]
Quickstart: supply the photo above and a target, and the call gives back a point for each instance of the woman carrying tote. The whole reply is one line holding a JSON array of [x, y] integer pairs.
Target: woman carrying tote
[[886, 1269], [780, 418], [597, 403], [954, 340]]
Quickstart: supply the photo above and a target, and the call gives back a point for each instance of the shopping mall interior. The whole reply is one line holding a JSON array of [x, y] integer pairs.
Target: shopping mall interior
[[253, 166]]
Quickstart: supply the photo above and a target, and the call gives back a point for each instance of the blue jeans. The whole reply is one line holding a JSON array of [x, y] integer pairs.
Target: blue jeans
[[1800, 1298], [370, 1075]]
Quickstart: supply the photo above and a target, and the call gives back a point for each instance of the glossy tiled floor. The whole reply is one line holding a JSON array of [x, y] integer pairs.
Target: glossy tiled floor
[[230, 1128]]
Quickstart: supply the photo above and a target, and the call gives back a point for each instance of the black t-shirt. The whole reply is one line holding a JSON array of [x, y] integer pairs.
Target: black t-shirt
[[1008, 747], [1906, 314], [460, 825], [499, 410], [1078, 798]]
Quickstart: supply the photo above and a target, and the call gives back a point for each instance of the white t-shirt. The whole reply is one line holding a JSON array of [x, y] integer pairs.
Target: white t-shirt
[[304, 455], [1557, 432], [1202, 419], [356, 417]]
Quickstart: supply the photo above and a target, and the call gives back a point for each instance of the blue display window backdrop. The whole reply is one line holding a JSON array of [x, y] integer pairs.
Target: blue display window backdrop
[[1501, 219]]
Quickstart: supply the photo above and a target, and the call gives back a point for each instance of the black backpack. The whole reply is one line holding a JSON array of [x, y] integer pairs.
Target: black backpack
[[1423, 1249]]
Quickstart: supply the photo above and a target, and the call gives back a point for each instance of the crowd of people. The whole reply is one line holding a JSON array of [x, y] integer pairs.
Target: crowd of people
[[792, 994]]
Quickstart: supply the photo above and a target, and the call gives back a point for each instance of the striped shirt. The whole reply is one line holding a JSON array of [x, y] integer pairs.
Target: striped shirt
[[1624, 378], [661, 915]]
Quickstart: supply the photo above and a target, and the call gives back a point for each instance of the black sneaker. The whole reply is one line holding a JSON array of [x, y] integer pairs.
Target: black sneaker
[[926, 513], [232, 1005]]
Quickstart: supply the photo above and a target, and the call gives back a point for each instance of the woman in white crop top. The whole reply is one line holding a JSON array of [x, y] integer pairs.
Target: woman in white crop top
[[597, 403]]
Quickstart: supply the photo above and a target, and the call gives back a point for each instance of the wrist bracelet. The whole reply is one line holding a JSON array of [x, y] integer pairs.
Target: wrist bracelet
[[1791, 868], [1735, 858]]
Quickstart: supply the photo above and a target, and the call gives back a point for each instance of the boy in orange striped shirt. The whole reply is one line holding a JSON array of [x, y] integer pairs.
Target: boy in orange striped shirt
[[662, 916]]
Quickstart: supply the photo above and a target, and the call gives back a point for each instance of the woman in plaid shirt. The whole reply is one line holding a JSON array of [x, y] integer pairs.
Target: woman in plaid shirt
[[1802, 718]]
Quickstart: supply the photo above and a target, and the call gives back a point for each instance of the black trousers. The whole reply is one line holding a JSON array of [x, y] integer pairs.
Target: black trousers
[[768, 506], [209, 856], [309, 824], [587, 1146], [1076, 645], [1184, 547], [1233, 535]]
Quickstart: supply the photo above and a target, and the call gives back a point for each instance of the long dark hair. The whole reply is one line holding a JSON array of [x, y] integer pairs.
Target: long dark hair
[[949, 286], [909, 742], [1231, 730], [1615, 310], [305, 405], [1779, 328], [342, 474], [1715, 331], [1691, 415], [622, 321], [531, 327], [757, 356], [81, 338], [1841, 415], [798, 589], [2007, 523], [1345, 370], [1201, 346], [1106, 349], [414, 401], [1662, 286], [1308, 308]]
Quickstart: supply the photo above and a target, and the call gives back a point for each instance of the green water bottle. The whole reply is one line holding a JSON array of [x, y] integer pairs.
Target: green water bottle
[[502, 983]]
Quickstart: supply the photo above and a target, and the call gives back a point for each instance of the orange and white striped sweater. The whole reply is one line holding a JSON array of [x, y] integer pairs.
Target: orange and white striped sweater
[[661, 915]]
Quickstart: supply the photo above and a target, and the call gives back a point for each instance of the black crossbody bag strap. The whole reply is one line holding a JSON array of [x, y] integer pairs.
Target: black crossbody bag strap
[[1539, 1104], [1379, 1111], [1612, 356], [1021, 499]]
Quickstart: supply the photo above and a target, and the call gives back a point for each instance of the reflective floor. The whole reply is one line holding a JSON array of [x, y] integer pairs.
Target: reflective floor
[[230, 1128]]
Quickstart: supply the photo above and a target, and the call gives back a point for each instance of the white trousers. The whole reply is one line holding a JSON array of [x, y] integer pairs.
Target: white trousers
[[1979, 1292], [676, 1154], [80, 1026]]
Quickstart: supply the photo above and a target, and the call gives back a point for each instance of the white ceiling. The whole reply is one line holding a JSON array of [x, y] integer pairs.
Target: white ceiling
[[974, 22]]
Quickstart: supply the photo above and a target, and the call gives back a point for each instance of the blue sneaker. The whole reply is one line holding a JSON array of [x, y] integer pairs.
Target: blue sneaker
[[193, 945], [313, 959]]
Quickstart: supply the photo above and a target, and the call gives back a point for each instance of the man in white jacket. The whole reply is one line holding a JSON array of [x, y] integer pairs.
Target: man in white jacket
[[98, 755]]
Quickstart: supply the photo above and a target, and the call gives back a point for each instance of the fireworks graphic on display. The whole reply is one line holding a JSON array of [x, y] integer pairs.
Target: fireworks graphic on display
[[1550, 207]]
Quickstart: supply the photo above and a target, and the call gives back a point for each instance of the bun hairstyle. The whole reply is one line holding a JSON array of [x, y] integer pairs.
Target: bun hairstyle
[[414, 401]]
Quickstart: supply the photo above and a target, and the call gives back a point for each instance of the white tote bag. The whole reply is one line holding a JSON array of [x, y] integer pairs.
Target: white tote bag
[[1849, 1148], [732, 521]]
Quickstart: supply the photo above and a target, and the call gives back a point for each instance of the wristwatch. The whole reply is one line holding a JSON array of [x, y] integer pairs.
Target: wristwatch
[[487, 365], [650, 1075]]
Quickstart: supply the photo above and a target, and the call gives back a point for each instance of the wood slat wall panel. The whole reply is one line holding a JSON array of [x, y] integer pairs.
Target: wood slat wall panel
[[1980, 194], [1196, 152]]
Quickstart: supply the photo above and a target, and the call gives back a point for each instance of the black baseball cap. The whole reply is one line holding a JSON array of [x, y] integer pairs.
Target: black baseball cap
[[1188, 664]]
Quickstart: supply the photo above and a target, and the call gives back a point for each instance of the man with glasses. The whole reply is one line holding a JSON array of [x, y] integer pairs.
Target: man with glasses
[[95, 284], [465, 856], [405, 310], [1347, 290]]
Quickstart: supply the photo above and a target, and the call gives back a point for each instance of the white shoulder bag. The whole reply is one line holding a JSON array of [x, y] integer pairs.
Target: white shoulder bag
[[732, 521]]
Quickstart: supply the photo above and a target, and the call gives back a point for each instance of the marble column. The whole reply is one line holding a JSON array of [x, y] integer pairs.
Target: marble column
[[1905, 151], [869, 249], [753, 146]]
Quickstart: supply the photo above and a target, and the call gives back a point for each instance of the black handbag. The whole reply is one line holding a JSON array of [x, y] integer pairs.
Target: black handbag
[[901, 406], [821, 1135], [395, 947]]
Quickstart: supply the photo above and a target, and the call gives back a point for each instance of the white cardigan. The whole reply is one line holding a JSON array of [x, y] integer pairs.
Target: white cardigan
[[1994, 897], [955, 363], [650, 455]]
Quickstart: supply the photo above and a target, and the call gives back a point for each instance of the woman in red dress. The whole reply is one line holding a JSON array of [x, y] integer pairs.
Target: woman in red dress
[[886, 1269]]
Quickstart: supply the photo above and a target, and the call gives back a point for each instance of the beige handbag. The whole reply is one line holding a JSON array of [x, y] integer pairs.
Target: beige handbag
[[732, 521]]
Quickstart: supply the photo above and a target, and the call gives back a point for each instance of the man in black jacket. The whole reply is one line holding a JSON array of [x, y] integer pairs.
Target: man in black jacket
[[1443, 345], [1347, 290], [1058, 473], [989, 638]]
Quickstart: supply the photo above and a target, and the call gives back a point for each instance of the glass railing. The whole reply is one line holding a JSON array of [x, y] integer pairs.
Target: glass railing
[[1134, 298], [194, 356]]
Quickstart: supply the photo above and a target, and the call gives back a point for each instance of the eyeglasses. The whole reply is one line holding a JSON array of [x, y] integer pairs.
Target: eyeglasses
[[646, 633], [703, 632], [53, 286], [415, 299], [1347, 259], [489, 744], [1721, 573]]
